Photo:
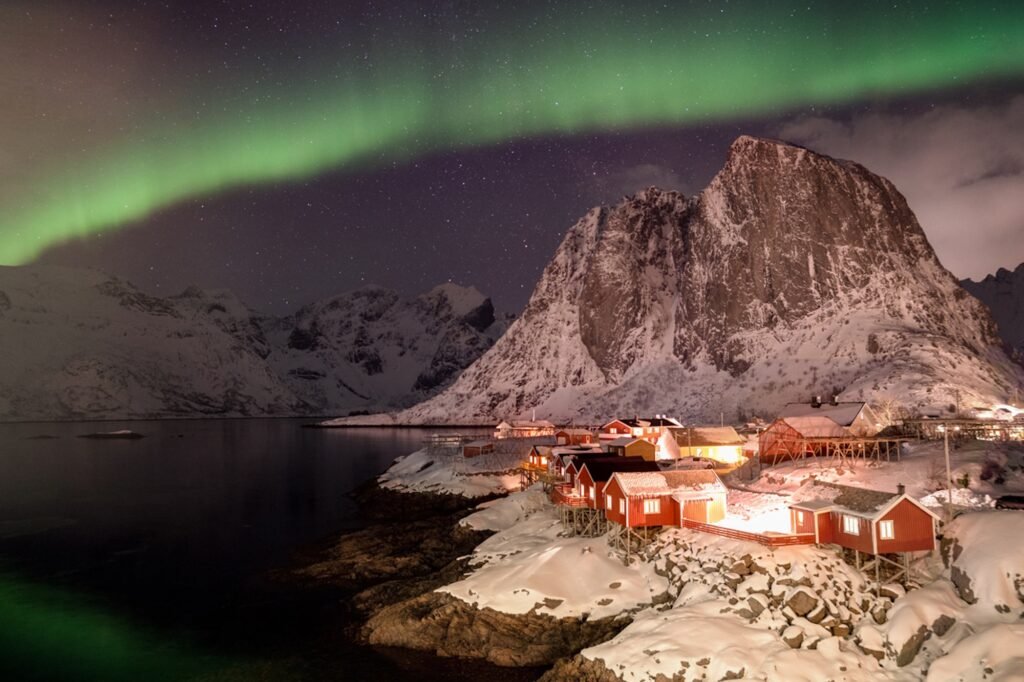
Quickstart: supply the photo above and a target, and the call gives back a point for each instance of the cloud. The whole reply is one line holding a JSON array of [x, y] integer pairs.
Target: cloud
[[960, 168]]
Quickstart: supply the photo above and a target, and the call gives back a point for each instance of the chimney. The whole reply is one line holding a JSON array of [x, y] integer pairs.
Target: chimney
[[900, 489]]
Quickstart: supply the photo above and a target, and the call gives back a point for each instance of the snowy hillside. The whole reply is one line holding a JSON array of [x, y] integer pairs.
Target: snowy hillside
[[1003, 293], [80, 344], [792, 274]]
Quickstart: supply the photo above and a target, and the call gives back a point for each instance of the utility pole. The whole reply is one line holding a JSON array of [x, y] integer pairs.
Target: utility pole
[[949, 475]]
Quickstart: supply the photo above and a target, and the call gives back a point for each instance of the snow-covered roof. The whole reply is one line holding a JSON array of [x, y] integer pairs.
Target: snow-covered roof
[[817, 427], [707, 436], [477, 443], [843, 414], [534, 424], [576, 432], [637, 422], [669, 482], [623, 441], [862, 502]]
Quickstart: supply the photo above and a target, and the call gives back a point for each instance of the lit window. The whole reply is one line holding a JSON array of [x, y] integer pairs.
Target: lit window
[[886, 530], [608, 502], [592, 494], [851, 525], [652, 506], [800, 517], [622, 507]]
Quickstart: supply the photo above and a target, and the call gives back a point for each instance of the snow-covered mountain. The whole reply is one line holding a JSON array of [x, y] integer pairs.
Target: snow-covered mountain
[[78, 343], [792, 274], [1003, 293]]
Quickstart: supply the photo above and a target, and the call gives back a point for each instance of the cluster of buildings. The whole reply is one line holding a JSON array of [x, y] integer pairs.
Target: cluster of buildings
[[631, 476]]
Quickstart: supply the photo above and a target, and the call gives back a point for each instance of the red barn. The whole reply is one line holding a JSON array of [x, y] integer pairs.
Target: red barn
[[869, 521], [574, 437], [664, 498]]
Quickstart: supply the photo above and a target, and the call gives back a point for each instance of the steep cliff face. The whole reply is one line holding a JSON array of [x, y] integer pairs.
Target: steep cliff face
[[81, 344], [1003, 294], [792, 274]]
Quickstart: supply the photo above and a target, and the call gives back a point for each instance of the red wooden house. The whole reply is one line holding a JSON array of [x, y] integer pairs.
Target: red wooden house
[[540, 456], [574, 437], [869, 521], [649, 429], [664, 498], [595, 473]]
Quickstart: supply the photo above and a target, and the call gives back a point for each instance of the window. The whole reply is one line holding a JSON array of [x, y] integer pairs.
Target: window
[[800, 517], [608, 502], [592, 493], [851, 525], [886, 530], [622, 507], [652, 506]]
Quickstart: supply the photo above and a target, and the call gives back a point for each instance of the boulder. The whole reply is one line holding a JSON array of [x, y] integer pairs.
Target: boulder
[[793, 636], [801, 601], [907, 653]]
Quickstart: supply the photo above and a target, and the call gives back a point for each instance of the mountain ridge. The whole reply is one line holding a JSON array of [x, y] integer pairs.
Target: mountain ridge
[[82, 344], [791, 274]]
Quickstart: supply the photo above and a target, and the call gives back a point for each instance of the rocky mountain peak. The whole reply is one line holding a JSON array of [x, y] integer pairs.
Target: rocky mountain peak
[[791, 274]]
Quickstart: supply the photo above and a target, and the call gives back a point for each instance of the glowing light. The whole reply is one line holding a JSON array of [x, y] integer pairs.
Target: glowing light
[[605, 70]]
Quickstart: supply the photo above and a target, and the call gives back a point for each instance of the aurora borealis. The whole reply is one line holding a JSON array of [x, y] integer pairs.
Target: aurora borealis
[[560, 73]]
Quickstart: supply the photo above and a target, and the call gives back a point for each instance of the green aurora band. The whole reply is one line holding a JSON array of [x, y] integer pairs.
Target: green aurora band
[[611, 72]]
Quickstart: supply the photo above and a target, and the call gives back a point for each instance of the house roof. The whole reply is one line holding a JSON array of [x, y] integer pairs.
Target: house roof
[[859, 502], [576, 432], [817, 427], [843, 414], [706, 436], [535, 424], [624, 441], [602, 469], [580, 457], [636, 422], [669, 482]]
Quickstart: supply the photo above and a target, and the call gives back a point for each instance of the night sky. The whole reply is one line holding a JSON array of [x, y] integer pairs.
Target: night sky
[[294, 150]]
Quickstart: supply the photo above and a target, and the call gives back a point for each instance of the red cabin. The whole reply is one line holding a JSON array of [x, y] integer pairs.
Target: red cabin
[[574, 437], [540, 456], [869, 521], [595, 473], [664, 498]]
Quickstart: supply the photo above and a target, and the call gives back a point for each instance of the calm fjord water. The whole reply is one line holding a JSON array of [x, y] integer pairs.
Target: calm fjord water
[[147, 559]]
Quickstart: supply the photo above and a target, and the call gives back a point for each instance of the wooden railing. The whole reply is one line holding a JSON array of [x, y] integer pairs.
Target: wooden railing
[[766, 540], [566, 495]]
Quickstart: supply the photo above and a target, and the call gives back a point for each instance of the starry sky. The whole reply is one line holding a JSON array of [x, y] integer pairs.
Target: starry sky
[[290, 151]]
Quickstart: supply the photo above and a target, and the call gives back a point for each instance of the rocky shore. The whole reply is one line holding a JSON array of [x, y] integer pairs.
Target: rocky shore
[[414, 544]]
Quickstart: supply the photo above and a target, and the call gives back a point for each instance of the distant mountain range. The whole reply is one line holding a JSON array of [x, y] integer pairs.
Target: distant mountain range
[[792, 274], [80, 344], [1003, 293]]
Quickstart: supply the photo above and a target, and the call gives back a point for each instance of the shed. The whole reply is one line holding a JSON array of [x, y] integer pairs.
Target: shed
[[664, 498], [475, 448]]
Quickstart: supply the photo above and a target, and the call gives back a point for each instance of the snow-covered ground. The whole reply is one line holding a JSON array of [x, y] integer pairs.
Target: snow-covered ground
[[709, 607], [446, 470], [529, 567]]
